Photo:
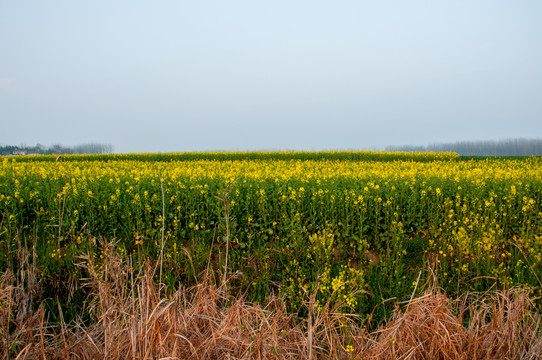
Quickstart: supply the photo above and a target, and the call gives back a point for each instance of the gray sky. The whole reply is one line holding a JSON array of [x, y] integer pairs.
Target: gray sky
[[254, 75]]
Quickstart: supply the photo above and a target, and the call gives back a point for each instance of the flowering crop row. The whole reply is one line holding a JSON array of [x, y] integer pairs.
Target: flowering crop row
[[329, 226], [253, 155]]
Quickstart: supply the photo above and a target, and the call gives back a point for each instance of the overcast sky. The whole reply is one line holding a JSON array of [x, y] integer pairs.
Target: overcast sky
[[148, 76]]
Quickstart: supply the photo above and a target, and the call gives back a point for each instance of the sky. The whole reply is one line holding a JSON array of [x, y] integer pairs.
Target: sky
[[176, 75]]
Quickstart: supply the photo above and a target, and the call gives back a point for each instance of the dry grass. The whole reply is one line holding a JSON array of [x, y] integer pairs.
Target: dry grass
[[133, 322], [499, 326]]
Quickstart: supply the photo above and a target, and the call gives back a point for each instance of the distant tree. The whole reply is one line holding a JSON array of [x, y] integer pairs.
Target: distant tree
[[506, 147], [93, 148], [8, 149], [56, 149]]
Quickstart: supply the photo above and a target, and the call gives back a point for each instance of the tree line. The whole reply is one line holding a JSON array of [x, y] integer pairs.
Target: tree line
[[505, 147], [39, 149]]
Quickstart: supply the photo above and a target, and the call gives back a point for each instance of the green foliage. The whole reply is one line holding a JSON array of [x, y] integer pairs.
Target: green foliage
[[351, 231]]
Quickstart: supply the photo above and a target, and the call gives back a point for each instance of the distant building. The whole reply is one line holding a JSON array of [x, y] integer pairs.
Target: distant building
[[19, 152]]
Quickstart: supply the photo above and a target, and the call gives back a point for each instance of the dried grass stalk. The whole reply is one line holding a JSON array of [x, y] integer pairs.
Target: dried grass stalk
[[133, 321]]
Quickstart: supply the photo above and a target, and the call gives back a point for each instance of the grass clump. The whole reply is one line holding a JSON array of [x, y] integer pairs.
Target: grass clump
[[130, 317]]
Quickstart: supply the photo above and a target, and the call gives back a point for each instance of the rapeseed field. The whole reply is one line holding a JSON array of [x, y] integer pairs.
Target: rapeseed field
[[354, 228]]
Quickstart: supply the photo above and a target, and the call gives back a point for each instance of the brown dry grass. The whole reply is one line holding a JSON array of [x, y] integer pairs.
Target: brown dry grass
[[133, 322]]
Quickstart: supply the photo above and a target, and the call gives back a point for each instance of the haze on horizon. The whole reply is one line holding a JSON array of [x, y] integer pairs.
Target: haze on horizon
[[245, 75]]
